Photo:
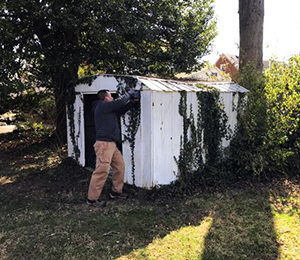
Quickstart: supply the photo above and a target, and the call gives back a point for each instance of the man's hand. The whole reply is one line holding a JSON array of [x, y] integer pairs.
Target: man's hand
[[131, 92], [134, 94]]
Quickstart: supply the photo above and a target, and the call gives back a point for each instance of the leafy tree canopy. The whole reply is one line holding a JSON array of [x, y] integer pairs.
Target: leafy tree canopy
[[43, 42], [127, 36]]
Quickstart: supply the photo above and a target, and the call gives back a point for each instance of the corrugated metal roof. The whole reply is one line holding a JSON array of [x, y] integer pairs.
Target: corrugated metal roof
[[157, 84], [227, 86], [111, 81]]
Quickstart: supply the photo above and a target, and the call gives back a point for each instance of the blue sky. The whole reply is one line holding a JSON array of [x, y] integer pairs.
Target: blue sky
[[281, 29]]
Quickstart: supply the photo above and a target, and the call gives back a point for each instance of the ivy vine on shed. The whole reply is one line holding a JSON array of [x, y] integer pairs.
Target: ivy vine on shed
[[70, 100], [200, 144], [133, 118]]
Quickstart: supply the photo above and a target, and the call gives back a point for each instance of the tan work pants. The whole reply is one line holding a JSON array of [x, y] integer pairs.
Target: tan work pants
[[107, 154]]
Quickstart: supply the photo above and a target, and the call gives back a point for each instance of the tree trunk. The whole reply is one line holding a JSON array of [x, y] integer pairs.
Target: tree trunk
[[61, 123], [64, 82], [251, 13]]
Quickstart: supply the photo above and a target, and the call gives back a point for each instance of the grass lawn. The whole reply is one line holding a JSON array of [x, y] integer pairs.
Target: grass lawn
[[43, 215]]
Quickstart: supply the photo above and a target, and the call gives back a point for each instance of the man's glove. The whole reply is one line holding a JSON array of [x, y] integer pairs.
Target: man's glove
[[131, 92], [135, 94]]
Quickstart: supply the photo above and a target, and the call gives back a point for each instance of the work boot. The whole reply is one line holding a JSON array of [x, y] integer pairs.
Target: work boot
[[97, 203], [117, 195]]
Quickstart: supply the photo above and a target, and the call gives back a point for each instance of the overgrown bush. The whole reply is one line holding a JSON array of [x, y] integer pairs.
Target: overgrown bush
[[247, 150], [267, 139], [282, 92], [37, 129]]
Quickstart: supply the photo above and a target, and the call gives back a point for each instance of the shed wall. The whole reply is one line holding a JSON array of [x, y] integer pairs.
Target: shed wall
[[166, 128], [143, 147]]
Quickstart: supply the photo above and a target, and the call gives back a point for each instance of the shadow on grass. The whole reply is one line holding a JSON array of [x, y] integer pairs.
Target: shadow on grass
[[242, 228], [43, 216], [236, 224]]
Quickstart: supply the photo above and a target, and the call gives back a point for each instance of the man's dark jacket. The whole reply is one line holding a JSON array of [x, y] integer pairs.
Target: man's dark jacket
[[106, 114]]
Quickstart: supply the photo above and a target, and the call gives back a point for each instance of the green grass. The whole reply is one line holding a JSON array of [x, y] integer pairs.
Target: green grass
[[43, 215]]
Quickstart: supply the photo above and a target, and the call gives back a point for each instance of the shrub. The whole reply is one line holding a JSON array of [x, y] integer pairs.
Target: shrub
[[282, 92], [267, 140], [245, 154]]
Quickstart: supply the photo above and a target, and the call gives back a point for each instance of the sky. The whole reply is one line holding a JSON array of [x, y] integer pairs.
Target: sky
[[281, 29]]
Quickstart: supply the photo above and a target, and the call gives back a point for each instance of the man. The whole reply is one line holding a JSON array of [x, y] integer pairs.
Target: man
[[106, 113]]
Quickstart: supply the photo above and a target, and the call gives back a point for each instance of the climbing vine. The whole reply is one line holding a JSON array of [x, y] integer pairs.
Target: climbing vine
[[133, 119], [241, 103], [213, 125], [188, 144], [200, 144], [70, 100]]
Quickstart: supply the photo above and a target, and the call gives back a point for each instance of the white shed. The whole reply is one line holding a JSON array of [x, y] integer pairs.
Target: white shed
[[161, 126]]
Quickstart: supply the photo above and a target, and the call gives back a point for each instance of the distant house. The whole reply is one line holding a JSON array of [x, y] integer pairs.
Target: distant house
[[225, 69], [229, 64], [212, 74]]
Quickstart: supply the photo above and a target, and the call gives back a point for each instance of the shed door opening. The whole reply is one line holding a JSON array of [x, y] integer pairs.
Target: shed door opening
[[89, 129]]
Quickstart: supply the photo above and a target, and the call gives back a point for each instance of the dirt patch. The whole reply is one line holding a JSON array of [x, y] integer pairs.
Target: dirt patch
[[38, 169]]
